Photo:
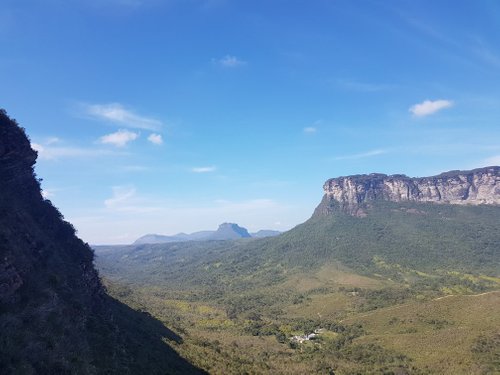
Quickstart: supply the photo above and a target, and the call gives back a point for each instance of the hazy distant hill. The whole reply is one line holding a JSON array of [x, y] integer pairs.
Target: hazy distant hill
[[226, 231], [265, 233], [392, 239], [55, 316]]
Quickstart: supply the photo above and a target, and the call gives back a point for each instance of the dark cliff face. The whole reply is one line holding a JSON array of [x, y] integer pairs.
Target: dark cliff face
[[55, 317], [47, 279], [30, 224], [351, 193]]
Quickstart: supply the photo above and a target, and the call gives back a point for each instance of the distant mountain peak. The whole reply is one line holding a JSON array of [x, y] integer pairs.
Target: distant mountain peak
[[230, 231], [349, 193], [265, 233], [225, 231]]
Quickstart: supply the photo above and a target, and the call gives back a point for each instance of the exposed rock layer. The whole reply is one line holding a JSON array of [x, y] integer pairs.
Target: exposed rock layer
[[350, 193]]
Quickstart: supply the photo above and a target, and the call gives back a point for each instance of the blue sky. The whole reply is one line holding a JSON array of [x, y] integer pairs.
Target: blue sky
[[165, 116]]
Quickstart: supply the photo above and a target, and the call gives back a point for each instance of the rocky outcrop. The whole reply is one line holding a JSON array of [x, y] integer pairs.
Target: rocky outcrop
[[351, 193], [229, 231]]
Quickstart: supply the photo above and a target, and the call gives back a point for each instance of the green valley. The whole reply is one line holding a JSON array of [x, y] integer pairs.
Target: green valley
[[409, 288]]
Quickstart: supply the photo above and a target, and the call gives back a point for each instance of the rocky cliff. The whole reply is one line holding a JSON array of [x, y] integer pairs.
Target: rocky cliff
[[351, 193], [55, 315]]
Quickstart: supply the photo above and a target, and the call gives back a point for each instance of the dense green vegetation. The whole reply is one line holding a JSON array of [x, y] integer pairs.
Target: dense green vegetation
[[55, 317], [395, 240], [238, 305]]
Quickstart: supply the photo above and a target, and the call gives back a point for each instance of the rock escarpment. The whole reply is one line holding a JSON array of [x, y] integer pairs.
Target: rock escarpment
[[350, 194]]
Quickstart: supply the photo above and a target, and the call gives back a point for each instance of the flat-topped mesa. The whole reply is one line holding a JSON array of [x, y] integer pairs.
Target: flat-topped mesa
[[348, 194]]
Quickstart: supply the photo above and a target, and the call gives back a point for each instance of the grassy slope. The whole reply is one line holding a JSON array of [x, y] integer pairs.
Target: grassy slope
[[234, 301], [438, 334]]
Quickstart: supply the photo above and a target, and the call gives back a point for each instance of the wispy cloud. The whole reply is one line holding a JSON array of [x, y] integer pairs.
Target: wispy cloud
[[52, 140], [479, 50], [48, 152], [125, 199], [208, 169], [428, 107], [120, 194], [229, 61], [155, 139], [361, 155], [271, 184], [117, 114], [487, 54], [432, 31], [363, 86], [492, 160], [119, 138], [310, 130], [253, 204], [122, 5], [135, 168]]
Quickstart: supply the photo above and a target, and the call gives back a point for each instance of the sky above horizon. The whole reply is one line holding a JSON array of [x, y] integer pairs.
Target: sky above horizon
[[174, 116]]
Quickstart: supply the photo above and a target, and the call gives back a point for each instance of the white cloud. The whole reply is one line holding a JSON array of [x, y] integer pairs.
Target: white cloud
[[428, 107], [118, 114], [155, 139], [229, 61], [204, 169], [120, 138], [52, 140], [48, 152], [310, 130], [362, 155]]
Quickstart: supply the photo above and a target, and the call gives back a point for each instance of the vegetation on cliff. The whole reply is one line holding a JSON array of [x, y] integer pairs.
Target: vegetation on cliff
[[55, 315]]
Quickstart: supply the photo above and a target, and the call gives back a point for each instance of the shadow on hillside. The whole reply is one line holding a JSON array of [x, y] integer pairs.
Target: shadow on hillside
[[144, 343]]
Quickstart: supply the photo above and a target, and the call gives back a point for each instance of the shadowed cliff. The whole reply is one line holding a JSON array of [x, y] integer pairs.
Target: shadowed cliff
[[55, 316]]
